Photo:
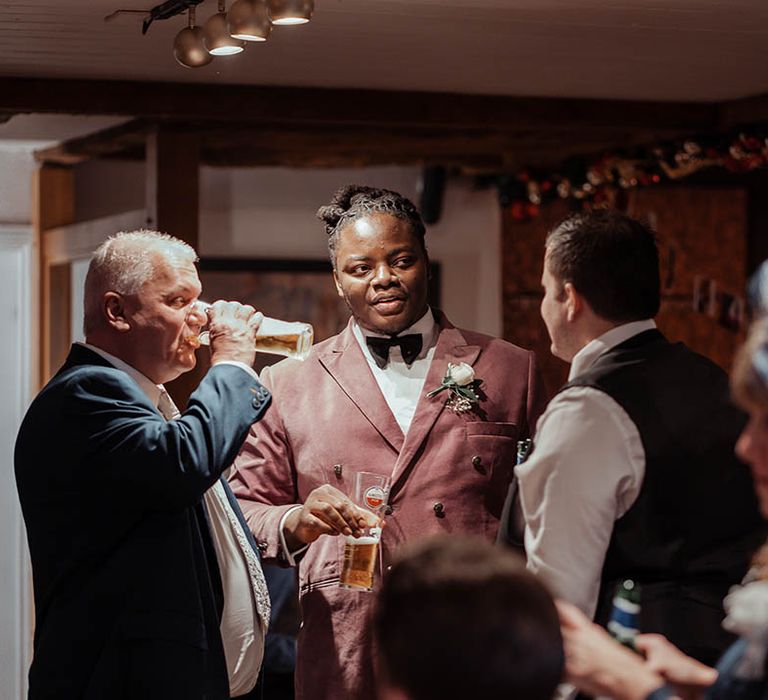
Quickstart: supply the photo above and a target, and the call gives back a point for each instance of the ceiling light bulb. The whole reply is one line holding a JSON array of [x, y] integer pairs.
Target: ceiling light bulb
[[217, 38], [284, 12], [248, 20], [188, 47]]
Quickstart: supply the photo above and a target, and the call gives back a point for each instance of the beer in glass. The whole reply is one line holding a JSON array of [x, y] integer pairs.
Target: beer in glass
[[287, 338], [361, 554]]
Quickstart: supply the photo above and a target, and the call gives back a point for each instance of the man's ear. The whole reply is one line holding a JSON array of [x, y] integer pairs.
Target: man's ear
[[339, 290], [574, 302], [114, 311]]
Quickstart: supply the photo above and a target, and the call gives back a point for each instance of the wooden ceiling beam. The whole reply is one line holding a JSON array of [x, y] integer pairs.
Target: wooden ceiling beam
[[238, 144], [114, 142], [748, 110], [344, 107], [240, 126]]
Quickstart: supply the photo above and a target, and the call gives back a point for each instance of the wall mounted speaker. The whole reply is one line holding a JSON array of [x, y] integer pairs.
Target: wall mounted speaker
[[431, 189]]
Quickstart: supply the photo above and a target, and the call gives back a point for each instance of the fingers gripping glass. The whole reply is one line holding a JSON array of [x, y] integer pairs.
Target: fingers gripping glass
[[287, 338], [361, 553]]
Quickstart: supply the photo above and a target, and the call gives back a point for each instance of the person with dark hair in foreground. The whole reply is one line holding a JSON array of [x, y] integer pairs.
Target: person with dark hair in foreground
[[364, 400], [633, 473], [458, 618]]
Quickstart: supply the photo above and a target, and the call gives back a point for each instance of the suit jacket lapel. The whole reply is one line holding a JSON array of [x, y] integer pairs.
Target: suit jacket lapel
[[451, 347], [346, 363]]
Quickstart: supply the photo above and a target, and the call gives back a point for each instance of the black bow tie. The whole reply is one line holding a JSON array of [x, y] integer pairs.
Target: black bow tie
[[410, 347]]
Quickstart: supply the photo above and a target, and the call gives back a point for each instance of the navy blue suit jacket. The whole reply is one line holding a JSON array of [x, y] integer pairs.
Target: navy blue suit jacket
[[111, 497]]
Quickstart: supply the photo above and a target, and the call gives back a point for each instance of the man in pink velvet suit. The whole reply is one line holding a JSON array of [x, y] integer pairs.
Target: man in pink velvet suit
[[360, 403]]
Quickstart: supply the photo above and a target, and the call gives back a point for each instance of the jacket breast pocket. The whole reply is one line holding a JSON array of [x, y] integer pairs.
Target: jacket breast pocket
[[493, 450]]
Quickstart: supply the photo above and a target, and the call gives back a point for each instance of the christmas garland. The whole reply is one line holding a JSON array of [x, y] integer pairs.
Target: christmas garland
[[588, 183]]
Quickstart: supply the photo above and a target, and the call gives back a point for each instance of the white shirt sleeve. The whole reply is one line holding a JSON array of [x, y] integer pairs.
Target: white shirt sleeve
[[584, 473], [290, 556]]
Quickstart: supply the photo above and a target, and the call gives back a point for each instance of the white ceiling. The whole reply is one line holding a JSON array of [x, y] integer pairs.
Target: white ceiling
[[698, 50], [636, 49]]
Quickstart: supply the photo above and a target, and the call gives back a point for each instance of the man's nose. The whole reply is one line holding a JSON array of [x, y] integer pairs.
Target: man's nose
[[384, 276]]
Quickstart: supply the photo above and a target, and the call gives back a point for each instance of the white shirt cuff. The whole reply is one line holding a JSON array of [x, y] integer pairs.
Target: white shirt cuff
[[290, 557], [242, 365]]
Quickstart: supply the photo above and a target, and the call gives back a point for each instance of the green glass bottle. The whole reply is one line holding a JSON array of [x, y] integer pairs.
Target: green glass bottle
[[624, 624], [523, 450]]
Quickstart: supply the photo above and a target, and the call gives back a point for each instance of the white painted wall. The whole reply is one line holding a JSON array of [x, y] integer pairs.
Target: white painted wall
[[17, 165], [16, 274], [17, 377]]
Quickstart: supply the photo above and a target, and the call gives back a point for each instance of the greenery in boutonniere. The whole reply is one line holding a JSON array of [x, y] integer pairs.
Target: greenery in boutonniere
[[460, 381]]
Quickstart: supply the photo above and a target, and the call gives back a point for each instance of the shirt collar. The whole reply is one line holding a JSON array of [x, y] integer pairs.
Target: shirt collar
[[151, 389], [426, 327], [588, 355]]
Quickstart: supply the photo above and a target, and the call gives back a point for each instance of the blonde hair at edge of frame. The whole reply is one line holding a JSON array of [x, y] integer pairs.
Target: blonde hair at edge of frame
[[124, 263], [749, 378]]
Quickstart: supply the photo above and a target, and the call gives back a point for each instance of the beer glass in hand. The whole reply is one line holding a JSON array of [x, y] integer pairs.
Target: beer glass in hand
[[361, 553], [287, 338]]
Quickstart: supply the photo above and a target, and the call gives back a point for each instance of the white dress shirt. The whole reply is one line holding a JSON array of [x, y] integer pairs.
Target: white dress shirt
[[246, 612], [585, 473], [400, 384]]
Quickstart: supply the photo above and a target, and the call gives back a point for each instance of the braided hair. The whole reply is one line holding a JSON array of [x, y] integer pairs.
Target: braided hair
[[354, 201]]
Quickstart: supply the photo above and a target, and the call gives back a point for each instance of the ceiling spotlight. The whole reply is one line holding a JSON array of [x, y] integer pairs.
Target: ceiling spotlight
[[248, 20], [290, 11], [216, 35], [188, 47]]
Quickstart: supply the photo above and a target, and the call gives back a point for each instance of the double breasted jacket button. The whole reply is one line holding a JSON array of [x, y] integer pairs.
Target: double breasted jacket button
[[439, 509], [337, 470], [477, 463], [388, 509]]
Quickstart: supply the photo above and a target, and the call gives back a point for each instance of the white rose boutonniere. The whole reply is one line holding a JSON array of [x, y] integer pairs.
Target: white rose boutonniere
[[460, 380]]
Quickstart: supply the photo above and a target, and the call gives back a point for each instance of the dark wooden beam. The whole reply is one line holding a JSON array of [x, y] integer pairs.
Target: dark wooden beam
[[240, 126], [748, 110], [173, 183], [119, 141], [289, 105], [239, 144], [173, 193]]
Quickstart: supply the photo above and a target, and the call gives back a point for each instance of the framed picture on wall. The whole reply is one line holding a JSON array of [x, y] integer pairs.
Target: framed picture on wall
[[292, 290]]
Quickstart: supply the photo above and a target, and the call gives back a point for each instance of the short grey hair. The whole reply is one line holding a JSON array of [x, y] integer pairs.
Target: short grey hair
[[124, 263]]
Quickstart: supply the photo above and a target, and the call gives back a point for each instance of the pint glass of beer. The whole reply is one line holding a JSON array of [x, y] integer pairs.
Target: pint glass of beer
[[287, 338], [361, 554]]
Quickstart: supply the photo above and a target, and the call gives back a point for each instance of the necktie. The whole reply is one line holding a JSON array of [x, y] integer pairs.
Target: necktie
[[167, 408], [410, 347]]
